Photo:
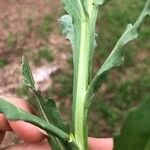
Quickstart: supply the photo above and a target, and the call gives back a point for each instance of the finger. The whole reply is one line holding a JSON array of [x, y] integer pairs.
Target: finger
[[24, 130], [22, 104], [2, 134], [100, 143], [27, 131], [4, 125], [30, 146]]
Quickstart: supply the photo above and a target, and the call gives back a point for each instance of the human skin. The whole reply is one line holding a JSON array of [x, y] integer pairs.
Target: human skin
[[37, 139]]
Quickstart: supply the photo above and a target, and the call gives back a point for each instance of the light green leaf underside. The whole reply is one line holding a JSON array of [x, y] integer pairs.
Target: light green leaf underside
[[75, 8], [68, 29], [135, 133], [101, 2], [116, 57], [13, 113]]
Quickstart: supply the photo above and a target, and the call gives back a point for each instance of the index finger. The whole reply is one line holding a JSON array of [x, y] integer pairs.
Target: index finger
[[24, 130], [4, 125]]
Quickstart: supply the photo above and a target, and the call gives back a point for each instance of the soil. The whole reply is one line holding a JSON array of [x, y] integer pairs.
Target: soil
[[13, 19]]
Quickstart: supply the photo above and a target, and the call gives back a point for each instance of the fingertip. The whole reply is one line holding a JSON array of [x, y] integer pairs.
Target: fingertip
[[24, 130], [27, 131], [4, 124]]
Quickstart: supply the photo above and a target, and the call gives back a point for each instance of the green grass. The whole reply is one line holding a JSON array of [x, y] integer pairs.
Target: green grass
[[10, 41], [63, 88], [3, 63], [43, 54], [30, 24], [44, 29]]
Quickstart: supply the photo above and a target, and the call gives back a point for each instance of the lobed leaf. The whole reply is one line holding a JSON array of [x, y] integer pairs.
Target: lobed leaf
[[46, 107], [51, 113], [14, 113], [116, 57], [135, 133]]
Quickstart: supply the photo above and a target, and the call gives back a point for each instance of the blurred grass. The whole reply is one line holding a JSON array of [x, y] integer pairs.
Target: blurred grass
[[124, 87], [130, 84], [10, 41], [3, 63], [45, 27], [43, 53]]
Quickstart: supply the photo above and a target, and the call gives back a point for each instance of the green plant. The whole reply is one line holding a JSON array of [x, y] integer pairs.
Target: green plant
[[79, 28]]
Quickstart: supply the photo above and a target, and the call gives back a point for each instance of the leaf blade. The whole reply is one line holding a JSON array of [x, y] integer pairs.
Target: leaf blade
[[27, 74], [50, 112], [116, 58], [76, 9], [14, 113], [135, 133], [46, 107]]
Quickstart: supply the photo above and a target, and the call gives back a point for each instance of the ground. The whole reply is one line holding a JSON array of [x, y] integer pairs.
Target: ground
[[31, 28]]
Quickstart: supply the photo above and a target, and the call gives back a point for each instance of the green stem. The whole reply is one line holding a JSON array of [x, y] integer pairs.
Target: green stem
[[85, 36], [82, 77]]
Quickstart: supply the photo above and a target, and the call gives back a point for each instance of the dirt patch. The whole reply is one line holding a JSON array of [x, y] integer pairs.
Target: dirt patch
[[16, 38]]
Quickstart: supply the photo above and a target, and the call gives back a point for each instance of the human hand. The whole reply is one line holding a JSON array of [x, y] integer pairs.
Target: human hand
[[33, 136]]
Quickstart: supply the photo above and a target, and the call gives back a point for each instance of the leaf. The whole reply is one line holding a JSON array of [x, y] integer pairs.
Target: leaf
[[116, 57], [14, 113], [135, 133], [57, 144], [67, 28], [92, 10], [101, 2], [51, 113], [27, 74], [46, 107], [76, 8]]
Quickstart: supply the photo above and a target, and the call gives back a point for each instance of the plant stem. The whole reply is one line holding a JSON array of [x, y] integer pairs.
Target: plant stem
[[81, 81], [85, 37]]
